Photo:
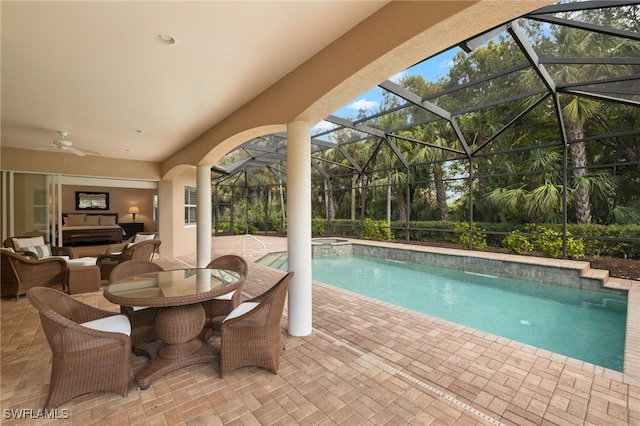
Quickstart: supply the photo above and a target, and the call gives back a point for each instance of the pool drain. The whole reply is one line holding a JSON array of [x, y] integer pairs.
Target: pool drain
[[409, 377]]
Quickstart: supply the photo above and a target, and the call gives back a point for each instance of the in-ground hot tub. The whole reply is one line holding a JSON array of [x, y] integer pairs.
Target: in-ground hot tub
[[330, 246], [327, 241]]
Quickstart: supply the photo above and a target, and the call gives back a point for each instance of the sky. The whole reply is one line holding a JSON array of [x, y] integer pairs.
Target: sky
[[431, 70]]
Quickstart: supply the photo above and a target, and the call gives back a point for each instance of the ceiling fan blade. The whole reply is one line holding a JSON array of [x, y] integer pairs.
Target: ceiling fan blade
[[42, 147], [76, 151], [88, 152]]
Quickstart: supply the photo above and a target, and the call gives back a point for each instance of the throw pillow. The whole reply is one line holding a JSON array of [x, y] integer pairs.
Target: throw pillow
[[42, 251], [92, 220], [107, 220], [143, 237], [27, 242], [75, 219]]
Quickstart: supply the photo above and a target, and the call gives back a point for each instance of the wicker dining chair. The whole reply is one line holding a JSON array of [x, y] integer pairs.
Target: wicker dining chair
[[21, 272], [142, 318], [219, 307], [143, 250], [250, 335], [86, 358]]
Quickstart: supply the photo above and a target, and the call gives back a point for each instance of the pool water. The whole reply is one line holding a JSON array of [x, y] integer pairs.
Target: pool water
[[581, 324]]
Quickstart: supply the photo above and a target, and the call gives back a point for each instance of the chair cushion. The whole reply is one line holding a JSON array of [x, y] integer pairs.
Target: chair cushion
[[226, 296], [113, 323], [42, 251], [242, 309], [139, 308], [82, 261]]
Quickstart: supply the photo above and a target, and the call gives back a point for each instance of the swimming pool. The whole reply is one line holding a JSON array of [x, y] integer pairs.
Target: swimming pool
[[581, 324]]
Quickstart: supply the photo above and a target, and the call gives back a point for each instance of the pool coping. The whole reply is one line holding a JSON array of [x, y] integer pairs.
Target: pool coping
[[631, 363]]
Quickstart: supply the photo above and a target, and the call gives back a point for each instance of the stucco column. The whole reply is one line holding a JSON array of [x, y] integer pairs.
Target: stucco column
[[299, 226], [203, 215]]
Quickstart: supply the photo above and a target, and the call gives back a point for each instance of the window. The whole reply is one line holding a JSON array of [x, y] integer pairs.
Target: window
[[189, 205], [40, 206]]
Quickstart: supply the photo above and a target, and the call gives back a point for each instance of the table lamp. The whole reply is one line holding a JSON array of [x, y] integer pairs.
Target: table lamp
[[133, 210]]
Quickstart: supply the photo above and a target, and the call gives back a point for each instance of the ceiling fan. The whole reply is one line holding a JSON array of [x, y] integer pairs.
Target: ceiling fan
[[66, 145]]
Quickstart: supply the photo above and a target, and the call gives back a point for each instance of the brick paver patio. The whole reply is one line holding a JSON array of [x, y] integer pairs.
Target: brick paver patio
[[366, 362]]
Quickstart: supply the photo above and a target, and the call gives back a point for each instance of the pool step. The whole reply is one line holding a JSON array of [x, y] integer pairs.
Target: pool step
[[280, 262], [275, 260]]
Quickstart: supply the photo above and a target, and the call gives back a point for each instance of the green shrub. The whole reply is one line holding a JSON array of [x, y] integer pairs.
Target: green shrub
[[549, 241], [434, 231], [240, 228], [575, 248], [376, 230], [517, 243], [479, 241], [318, 228]]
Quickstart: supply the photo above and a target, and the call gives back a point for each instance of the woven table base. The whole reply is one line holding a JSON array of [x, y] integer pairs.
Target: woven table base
[[158, 366], [178, 328]]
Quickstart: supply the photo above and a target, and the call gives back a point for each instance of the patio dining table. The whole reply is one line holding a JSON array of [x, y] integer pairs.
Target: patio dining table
[[180, 319]]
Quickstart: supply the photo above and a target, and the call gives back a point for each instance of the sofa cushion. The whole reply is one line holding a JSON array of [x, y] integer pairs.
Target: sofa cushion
[[75, 219]]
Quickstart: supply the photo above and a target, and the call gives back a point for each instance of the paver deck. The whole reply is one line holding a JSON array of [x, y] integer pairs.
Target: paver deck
[[366, 362]]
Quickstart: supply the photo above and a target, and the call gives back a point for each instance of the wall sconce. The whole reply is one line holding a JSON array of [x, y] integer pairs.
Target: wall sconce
[[133, 210]]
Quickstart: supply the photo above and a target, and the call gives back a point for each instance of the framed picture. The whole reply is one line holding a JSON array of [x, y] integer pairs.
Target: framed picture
[[92, 200]]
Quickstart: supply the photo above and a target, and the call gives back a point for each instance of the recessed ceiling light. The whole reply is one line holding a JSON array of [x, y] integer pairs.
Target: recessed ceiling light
[[165, 38]]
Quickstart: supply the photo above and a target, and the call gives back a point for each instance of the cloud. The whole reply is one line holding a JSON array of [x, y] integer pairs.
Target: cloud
[[446, 65], [322, 126], [363, 105], [396, 78]]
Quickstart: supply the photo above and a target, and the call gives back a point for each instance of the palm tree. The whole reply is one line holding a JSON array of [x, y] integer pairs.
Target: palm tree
[[535, 197], [434, 156], [578, 110]]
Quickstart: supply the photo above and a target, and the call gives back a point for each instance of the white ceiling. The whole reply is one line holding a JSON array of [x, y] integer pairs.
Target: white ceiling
[[96, 70]]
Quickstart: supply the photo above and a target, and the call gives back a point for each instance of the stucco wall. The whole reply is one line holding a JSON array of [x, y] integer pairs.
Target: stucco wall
[[178, 239]]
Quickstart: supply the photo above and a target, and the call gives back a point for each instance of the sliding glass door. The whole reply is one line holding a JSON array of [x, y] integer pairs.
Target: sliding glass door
[[30, 205]]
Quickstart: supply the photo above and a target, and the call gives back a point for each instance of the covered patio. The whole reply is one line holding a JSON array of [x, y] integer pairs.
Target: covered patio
[[366, 362]]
